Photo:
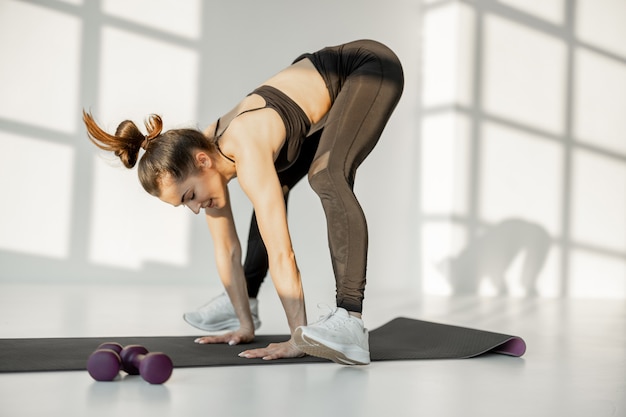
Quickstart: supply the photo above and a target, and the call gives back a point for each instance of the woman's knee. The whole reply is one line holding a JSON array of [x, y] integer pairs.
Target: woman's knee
[[318, 172], [326, 179], [319, 180]]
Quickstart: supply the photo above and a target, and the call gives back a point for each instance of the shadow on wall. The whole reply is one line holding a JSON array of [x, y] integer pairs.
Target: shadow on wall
[[490, 255]]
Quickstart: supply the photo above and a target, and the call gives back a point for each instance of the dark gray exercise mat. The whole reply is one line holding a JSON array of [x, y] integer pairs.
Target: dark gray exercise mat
[[400, 339]]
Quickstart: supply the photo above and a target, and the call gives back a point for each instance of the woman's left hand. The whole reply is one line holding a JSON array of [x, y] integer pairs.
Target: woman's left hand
[[286, 349]]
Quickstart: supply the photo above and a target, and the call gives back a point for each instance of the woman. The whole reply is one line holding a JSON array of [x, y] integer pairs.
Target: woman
[[321, 116]]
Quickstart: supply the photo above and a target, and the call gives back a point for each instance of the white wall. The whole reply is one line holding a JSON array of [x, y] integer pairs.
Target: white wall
[[524, 147], [72, 214]]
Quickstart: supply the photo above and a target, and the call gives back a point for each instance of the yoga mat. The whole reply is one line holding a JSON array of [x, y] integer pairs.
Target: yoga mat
[[400, 339]]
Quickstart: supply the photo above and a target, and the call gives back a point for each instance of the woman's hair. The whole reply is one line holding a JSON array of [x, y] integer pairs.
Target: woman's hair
[[171, 152]]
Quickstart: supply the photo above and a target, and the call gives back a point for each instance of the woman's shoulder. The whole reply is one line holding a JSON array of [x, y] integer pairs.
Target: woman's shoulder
[[257, 123], [209, 131], [262, 130]]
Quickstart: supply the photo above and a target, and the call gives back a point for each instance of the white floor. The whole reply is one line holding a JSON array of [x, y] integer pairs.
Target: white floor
[[575, 364]]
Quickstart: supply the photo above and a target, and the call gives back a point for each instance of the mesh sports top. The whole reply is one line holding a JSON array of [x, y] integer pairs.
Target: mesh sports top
[[297, 124]]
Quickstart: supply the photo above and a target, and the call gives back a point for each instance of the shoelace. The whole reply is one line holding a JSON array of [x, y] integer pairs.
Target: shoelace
[[216, 303], [323, 320]]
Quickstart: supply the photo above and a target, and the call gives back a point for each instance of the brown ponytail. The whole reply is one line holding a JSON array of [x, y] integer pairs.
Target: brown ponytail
[[166, 153], [154, 125], [125, 143]]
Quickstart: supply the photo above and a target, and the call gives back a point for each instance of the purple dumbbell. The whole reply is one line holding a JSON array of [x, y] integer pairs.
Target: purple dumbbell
[[104, 363], [156, 367]]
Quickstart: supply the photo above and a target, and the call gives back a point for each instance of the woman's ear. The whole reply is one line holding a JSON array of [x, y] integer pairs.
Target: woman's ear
[[203, 161]]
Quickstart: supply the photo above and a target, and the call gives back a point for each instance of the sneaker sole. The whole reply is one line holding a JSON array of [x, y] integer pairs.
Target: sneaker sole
[[314, 348]]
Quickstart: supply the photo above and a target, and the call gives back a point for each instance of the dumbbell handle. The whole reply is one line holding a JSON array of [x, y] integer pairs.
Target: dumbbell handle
[[156, 368]]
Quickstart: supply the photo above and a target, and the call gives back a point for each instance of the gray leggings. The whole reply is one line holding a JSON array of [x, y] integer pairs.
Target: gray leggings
[[365, 82]]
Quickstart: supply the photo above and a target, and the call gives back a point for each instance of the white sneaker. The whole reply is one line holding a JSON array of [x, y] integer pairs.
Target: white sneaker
[[337, 336], [219, 315]]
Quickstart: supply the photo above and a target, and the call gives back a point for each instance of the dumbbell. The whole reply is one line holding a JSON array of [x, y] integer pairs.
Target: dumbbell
[[155, 367], [104, 363]]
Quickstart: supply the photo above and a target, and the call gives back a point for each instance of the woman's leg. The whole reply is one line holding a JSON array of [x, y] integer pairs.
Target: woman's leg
[[355, 122]]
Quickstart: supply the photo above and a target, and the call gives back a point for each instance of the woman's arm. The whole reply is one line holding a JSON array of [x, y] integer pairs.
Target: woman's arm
[[258, 178], [230, 270]]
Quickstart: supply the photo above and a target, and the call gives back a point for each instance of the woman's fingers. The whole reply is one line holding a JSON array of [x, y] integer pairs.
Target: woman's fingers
[[274, 351], [232, 338], [212, 339]]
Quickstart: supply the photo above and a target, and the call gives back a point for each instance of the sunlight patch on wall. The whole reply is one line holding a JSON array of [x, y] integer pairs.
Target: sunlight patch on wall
[[522, 176], [136, 81], [36, 180], [447, 46], [600, 101], [445, 164], [548, 282], [597, 276], [178, 17], [550, 10], [42, 89], [601, 23], [599, 201], [524, 75], [130, 227]]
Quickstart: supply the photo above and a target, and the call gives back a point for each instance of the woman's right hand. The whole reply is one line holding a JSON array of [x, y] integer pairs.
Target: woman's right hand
[[273, 351]]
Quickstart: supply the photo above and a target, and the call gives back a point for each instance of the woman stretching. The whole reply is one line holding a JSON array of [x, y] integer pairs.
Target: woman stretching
[[320, 116]]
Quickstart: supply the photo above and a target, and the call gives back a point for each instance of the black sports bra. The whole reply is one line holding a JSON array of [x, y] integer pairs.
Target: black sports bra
[[297, 124]]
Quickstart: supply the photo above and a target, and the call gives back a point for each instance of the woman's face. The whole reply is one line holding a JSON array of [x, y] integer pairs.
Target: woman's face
[[205, 189]]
